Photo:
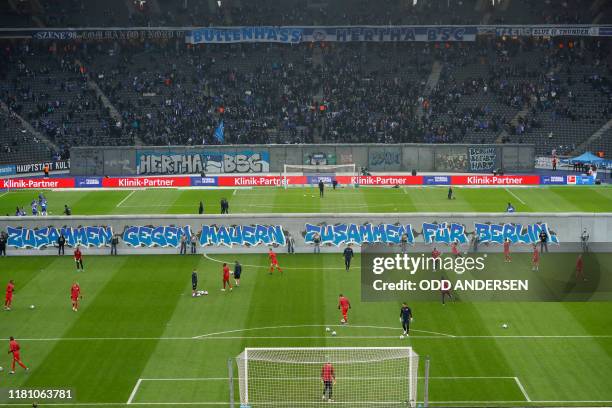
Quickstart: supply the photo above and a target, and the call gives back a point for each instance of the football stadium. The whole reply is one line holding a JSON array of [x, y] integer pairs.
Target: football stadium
[[303, 203]]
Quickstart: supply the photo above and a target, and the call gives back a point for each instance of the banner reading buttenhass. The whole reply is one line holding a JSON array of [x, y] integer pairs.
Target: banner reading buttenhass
[[293, 35]]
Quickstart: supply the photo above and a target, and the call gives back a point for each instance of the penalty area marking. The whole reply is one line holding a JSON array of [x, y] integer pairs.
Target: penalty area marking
[[130, 400], [515, 196], [520, 385], [317, 325], [266, 267], [125, 198]]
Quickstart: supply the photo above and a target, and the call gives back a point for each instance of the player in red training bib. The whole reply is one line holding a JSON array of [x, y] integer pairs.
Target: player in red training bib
[[328, 378], [78, 259], [445, 290], [535, 259], [579, 269], [75, 295], [14, 350], [507, 257], [435, 254], [455, 249], [344, 305], [226, 277], [8, 300], [273, 262]]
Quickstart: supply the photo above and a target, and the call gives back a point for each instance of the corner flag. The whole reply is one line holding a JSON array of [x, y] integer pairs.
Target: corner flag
[[220, 132]]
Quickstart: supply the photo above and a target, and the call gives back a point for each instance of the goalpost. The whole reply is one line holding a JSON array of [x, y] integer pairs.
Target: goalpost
[[316, 172], [293, 376]]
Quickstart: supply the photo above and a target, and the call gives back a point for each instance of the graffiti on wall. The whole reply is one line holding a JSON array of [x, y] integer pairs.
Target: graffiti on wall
[[385, 158], [164, 236], [203, 162], [242, 235], [430, 233], [451, 161], [482, 158], [89, 236], [155, 236]]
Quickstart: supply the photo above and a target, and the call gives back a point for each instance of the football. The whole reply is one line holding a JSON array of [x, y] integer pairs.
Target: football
[[327, 329], [32, 306], [333, 333], [504, 326], [1, 369], [401, 337]]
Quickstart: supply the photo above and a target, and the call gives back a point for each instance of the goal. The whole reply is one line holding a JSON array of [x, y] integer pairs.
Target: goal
[[316, 172], [292, 376]]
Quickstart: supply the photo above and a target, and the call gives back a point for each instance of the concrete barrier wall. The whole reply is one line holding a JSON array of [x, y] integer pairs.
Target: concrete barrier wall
[[112, 161], [255, 233]]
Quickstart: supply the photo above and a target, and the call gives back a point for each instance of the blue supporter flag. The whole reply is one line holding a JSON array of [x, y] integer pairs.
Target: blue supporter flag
[[220, 132]]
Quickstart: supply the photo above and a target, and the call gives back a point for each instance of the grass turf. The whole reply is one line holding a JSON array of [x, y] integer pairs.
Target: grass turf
[[138, 321], [304, 200]]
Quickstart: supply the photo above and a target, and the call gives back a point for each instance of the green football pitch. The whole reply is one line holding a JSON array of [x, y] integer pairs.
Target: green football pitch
[[140, 336], [304, 200]]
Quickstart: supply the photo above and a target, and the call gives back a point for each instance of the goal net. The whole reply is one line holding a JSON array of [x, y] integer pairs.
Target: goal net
[[306, 376], [316, 172]]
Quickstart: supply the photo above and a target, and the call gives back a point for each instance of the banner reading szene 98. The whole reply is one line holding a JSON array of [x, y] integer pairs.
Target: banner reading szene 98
[[531, 275]]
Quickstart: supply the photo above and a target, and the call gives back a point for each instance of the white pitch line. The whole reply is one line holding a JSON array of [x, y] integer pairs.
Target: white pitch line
[[3, 194], [515, 196], [234, 193], [316, 325], [520, 385], [134, 391], [125, 199], [337, 207], [266, 267], [338, 337]]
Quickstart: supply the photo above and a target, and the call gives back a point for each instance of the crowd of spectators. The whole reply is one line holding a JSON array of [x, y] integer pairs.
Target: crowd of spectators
[[172, 94]]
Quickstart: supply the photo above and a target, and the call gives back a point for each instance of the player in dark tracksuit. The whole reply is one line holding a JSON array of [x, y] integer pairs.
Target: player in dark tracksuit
[[543, 242], [237, 273], [321, 188], [348, 255], [194, 282], [405, 318]]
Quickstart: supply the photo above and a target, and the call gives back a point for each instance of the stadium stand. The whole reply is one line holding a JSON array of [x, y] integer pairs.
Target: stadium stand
[[514, 91], [555, 93]]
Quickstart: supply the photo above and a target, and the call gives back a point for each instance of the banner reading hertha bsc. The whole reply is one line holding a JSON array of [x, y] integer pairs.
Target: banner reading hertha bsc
[[201, 161]]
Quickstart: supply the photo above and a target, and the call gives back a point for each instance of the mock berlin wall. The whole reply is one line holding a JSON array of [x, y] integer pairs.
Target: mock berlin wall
[[250, 233], [148, 160]]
